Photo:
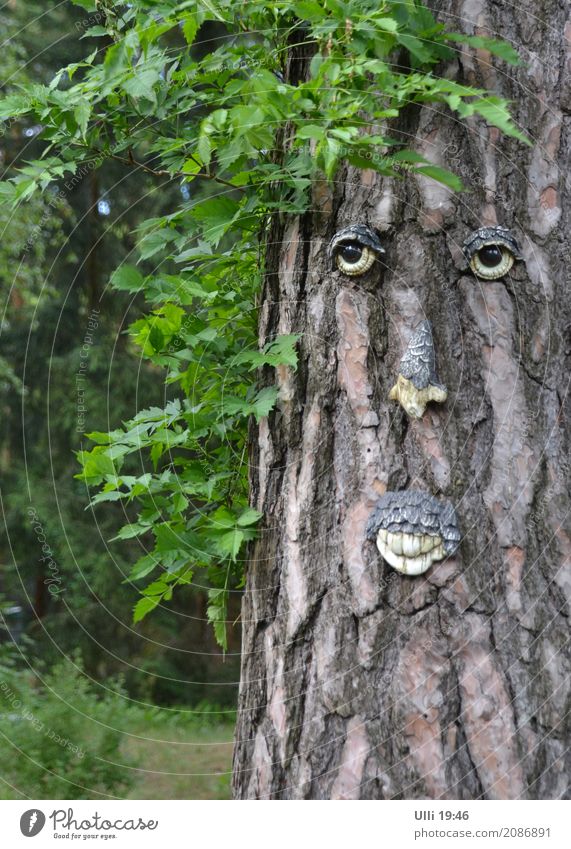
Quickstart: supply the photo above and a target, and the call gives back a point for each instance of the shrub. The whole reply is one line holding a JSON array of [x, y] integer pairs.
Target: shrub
[[60, 735]]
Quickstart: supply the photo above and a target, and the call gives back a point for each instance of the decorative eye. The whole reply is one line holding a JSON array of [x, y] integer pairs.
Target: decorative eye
[[354, 250], [491, 252]]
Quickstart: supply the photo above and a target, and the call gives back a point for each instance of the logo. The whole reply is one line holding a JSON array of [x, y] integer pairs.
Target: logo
[[32, 822]]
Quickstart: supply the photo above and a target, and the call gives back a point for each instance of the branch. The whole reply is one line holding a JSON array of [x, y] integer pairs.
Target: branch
[[177, 174]]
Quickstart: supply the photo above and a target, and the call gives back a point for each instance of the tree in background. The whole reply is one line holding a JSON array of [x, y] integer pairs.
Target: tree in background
[[62, 349], [297, 119]]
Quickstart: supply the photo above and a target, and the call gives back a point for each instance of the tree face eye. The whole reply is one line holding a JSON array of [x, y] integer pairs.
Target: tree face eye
[[350, 253], [492, 262], [354, 250], [490, 256], [354, 259], [491, 252]]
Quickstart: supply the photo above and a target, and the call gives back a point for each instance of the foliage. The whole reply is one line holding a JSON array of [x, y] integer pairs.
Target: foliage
[[198, 93], [63, 737], [59, 739], [48, 290]]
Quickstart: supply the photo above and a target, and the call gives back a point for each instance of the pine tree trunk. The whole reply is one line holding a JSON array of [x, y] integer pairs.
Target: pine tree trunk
[[358, 682]]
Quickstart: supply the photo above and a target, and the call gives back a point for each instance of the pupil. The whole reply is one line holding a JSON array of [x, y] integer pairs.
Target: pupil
[[351, 252], [490, 255]]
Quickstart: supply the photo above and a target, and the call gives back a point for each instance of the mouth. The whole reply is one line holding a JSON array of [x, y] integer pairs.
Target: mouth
[[412, 529], [410, 554]]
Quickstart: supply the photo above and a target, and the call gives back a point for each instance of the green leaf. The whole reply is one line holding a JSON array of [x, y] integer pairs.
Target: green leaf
[[417, 48], [14, 105], [143, 567], [311, 131], [498, 48], [264, 402], [99, 437], [329, 153], [144, 606], [316, 64], [142, 84], [156, 338], [387, 24], [249, 517], [96, 32], [279, 352], [107, 496], [127, 278], [441, 175], [190, 28], [155, 588], [192, 166], [496, 112], [154, 242], [130, 531], [230, 544], [88, 5], [220, 633], [168, 538], [216, 613], [96, 465]]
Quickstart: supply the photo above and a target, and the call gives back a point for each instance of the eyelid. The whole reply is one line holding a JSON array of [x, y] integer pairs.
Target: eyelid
[[490, 236], [361, 234]]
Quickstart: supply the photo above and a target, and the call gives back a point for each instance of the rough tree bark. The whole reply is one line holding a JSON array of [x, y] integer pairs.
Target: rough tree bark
[[358, 682]]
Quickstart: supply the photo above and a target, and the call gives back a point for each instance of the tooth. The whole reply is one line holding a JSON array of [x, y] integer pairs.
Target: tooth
[[383, 534], [411, 545], [388, 554], [428, 543], [418, 565], [395, 542]]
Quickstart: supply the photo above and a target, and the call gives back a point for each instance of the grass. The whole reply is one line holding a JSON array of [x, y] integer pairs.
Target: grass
[[194, 764]]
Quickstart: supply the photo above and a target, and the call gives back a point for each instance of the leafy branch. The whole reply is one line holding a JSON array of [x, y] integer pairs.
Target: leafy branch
[[216, 115]]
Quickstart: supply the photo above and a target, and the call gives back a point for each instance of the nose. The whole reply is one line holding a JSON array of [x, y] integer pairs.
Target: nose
[[417, 383]]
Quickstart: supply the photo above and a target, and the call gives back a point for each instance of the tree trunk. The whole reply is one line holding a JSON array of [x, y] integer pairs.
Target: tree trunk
[[359, 682]]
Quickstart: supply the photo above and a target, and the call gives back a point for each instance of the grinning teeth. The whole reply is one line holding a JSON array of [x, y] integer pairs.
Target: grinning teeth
[[406, 564]]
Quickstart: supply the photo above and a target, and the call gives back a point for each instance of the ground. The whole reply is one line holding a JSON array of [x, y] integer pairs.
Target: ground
[[196, 765]]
